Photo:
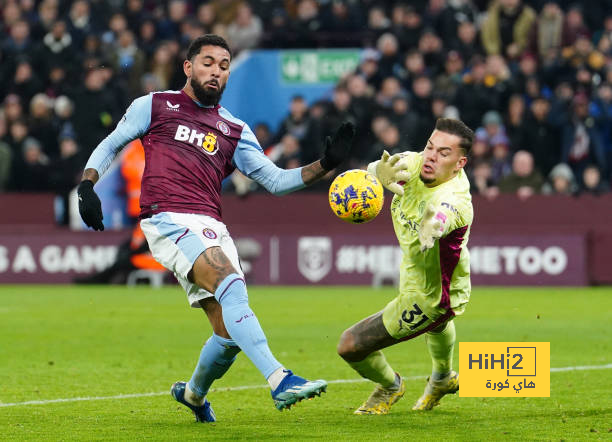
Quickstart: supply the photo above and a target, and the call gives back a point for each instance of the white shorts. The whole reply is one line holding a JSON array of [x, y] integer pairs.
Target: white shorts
[[177, 239]]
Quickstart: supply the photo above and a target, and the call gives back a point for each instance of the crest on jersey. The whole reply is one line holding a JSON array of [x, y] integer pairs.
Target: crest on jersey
[[223, 127], [314, 257], [209, 233]]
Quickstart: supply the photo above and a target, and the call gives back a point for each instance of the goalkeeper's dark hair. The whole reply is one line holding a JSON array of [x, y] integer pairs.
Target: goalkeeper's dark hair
[[206, 40], [459, 128]]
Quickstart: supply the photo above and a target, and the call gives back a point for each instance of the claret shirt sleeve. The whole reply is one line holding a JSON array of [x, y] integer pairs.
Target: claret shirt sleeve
[[134, 124]]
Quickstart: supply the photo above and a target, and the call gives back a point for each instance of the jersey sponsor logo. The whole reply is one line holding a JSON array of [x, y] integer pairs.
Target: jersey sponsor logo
[[223, 127], [207, 141], [172, 107], [209, 233]]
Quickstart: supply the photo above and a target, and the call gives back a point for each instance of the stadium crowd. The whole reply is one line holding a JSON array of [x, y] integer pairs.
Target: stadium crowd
[[533, 78]]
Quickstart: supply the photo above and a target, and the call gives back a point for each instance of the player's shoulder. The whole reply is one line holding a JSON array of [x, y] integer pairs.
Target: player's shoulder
[[227, 115]]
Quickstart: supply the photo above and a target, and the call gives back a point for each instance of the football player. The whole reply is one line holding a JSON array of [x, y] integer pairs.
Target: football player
[[191, 144], [432, 213]]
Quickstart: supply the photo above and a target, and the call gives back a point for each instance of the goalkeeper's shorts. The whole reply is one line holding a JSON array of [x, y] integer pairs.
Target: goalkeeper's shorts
[[410, 315]]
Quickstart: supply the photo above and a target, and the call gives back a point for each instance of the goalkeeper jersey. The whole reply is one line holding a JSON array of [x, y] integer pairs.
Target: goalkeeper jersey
[[440, 274]]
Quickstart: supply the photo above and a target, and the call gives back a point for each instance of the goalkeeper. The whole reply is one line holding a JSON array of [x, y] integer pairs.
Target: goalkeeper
[[432, 213]]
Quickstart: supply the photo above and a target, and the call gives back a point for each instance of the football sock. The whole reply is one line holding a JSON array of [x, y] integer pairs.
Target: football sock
[[376, 368], [441, 347], [242, 324], [216, 357], [275, 378]]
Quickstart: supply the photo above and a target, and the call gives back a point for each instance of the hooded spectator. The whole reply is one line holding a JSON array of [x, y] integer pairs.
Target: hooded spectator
[[561, 181]]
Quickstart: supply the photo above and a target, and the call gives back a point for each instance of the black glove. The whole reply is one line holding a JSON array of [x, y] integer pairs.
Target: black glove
[[90, 206], [338, 146]]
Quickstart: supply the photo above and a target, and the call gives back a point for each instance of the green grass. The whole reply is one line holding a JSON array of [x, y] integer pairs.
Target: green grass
[[68, 342]]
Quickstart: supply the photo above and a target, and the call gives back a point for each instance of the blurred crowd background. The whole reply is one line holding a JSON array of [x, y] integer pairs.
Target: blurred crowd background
[[532, 78]]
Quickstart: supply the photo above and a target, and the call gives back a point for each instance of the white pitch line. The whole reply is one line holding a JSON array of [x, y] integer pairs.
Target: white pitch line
[[252, 387]]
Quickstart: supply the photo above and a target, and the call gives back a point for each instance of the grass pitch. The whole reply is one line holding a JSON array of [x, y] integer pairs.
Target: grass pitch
[[76, 350]]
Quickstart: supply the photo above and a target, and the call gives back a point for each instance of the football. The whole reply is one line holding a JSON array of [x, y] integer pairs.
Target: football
[[356, 196]]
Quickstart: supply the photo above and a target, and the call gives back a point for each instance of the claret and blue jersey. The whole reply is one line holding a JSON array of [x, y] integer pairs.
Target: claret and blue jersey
[[189, 150]]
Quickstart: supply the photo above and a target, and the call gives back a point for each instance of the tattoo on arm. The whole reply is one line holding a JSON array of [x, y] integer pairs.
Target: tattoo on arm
[[91, 174], [313, 173], [219, 263]]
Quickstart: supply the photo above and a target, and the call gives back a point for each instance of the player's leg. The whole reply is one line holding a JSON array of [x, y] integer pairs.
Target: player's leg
[[443, 380], [217, 355], [214, 272], [360, 347]]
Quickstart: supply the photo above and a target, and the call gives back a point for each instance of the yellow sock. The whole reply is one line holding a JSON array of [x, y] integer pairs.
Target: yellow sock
[[376, 368], [441, 347]]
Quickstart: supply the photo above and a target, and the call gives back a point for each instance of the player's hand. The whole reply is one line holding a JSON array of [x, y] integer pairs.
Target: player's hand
[[432, 227], [90, 206], [390, 170], [337, 146]]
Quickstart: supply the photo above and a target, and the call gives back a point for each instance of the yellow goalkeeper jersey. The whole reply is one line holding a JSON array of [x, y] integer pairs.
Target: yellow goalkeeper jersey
[[440, 275]]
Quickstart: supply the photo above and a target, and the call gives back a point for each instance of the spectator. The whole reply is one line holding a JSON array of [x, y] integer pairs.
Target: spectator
[[466, 42], [31, 171], [515, 123], [129, 62], [547, 35], [474, 97], [448, 81], [95, 109], [574, 25], [561, 181], [592, 182], [25, 81], [481, 178], [581, 142], [492, 125], [406, 120], [47, 15], [57, 47], [524, 180], [162, 65], [541, 136], [169, 27], [297, 122], [245, 30], [41, 124], [286, 153], [500, 158], [6, 155], [65, 171], [506, 28]]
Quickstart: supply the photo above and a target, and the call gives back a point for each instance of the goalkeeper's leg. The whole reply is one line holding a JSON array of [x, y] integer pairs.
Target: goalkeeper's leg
[[443, 379], [360, 346]]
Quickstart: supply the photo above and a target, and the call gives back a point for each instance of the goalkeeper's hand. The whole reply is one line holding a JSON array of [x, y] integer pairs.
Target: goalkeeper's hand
[[390, 170], [337, 146], [90, 206], [432, 227]]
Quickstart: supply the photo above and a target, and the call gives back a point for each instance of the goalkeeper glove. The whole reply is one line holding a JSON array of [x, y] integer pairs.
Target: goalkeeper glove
[[90, 206], [432, 227], [389, 170], [338, 146]]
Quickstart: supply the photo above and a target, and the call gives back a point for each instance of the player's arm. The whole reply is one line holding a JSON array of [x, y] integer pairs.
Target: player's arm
[[134, 124], [392, 171], [252, 162]]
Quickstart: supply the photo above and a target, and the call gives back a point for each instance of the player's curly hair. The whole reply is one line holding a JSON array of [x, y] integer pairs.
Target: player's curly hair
[[206, 40], [459, 128]]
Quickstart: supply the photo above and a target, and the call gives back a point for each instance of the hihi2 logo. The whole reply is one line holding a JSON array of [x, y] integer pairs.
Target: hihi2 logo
[[504, 369]]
